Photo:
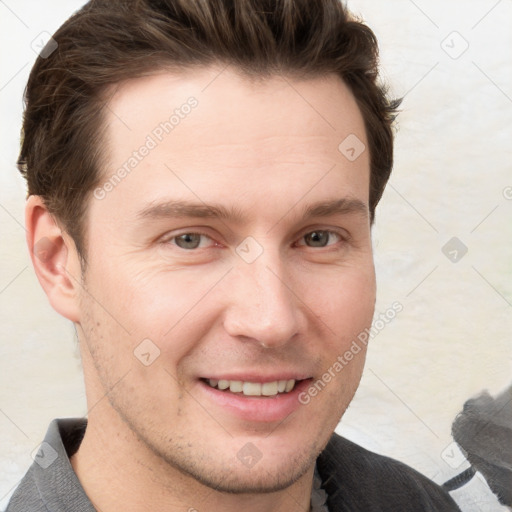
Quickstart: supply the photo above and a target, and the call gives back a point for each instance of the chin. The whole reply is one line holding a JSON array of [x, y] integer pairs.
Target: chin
[[263, 477]]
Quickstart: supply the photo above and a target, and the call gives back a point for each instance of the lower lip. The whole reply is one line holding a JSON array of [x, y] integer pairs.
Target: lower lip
[[256, 409]]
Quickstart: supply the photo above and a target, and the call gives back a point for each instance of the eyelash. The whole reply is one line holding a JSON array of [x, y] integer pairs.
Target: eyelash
[[341, 238]]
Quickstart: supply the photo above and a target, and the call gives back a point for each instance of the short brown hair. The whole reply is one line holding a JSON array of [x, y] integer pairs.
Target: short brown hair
[[108, 41]]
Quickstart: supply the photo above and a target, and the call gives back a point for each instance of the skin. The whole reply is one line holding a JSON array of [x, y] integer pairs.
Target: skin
[[266, 150]]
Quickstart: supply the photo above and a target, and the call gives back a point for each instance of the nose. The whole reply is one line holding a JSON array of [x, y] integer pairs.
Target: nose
[[262, 306]]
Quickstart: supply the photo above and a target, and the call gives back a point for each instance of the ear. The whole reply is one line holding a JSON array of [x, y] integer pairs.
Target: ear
[[54, 258]]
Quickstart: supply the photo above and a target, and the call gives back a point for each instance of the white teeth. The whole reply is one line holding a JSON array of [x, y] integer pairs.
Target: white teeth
[[289, 385], [269, 388], [254, 388], [223, 384], [235, 386], [251, 389]]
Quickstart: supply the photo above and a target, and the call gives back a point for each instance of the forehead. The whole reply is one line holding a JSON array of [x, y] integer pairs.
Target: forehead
[[247, 109], [208, 131]]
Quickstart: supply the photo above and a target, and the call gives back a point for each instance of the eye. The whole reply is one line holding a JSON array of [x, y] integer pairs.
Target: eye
[[320, 238], [190, 240]]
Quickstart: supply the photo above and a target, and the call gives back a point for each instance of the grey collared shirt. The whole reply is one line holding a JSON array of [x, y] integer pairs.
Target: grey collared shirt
[[353, 478], [50, 484]]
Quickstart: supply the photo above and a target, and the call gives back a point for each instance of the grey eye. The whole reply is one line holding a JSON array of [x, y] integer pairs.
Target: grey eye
[[317, 238], [188, 240]]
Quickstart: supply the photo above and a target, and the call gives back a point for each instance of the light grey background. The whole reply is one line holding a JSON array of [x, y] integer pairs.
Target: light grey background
[[452, 178]]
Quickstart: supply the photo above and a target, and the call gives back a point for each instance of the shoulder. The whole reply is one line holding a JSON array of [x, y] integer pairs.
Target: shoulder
[[358, 479], [50, 483], [26, 498]]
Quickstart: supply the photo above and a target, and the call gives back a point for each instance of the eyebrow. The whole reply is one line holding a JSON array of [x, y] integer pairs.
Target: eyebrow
[[343, 206], [191, 209]]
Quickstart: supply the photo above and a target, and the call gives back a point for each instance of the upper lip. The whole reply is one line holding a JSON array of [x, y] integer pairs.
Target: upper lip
[[259, 377]]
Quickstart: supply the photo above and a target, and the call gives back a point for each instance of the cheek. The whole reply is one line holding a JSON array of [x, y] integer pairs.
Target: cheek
[[343, 300], [160, 306]]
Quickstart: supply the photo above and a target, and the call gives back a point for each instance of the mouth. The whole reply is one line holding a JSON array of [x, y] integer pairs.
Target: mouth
[[257, 399], [254, 389]]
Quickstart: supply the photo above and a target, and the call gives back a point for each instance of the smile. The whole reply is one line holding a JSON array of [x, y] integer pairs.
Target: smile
[[253, 388]]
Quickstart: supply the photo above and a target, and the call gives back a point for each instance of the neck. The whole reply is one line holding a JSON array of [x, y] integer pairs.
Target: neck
[[119, 471]]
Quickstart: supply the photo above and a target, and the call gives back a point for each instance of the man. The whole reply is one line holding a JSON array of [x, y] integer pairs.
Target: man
[[202, 179]]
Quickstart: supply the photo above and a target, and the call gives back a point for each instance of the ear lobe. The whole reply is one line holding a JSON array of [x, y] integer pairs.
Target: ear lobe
[[54, 257]]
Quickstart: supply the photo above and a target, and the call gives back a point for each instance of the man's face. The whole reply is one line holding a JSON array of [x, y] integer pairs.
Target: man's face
[[237, 248]]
